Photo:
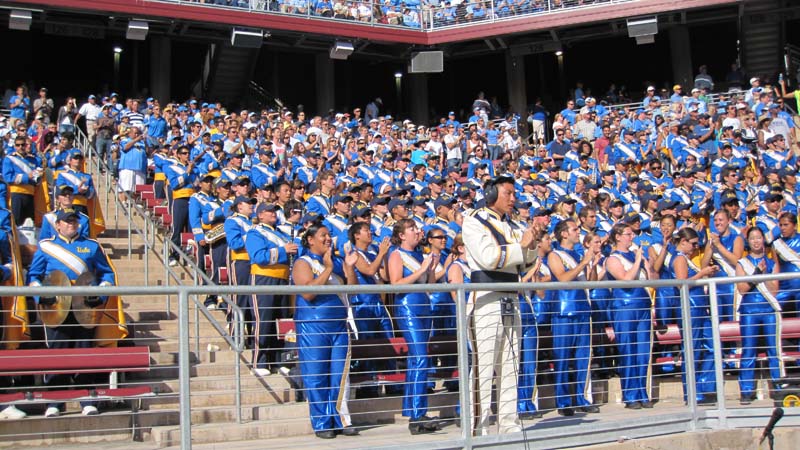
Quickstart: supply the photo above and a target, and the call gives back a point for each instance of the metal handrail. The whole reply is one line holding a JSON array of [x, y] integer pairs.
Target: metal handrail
[[425, 12], [235, 339], [466, 440]]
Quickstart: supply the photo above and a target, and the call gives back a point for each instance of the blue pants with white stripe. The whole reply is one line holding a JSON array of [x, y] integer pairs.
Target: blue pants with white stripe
[[572, 347], [324, 351]]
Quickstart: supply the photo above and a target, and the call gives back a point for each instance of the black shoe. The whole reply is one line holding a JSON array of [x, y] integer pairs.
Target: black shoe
[[566, 412], [327, 434], [592, 409], [633, 405], [530, 415], [348, 431], [746, 399], [423, 425], [646, 404], [706, 401]]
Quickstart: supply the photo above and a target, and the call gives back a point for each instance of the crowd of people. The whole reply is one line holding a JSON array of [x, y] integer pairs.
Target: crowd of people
[[407, 13], [689, 190]]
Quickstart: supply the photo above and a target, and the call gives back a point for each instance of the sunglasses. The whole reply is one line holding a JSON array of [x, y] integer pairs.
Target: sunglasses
[[436, 237]]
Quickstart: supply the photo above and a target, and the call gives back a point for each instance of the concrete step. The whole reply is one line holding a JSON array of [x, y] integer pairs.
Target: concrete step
[[35, 431]]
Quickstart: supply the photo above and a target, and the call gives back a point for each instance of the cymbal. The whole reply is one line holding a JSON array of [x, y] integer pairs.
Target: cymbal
[[87, 317], [53, 316]]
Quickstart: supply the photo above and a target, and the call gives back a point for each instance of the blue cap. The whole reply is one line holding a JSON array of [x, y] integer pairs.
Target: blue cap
[[266, 207], [419, 200], [75, 154], [92, 97], [192, 102], [463, 191], [443, 201], [787, 172], [451, 113], [728, 196], [242, 199], [344, 198], [538, 212], [310, 217], [65, 189], [149, 99], [683, 207], [667, 204], [395, 202], [380, 201], [566, 199], [114, 94], [240, 181], [631, 216], [182, 108], [66, 214], [519, 204], [360, 210]]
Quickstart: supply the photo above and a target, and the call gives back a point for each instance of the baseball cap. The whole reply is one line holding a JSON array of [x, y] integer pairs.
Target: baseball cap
[[443, 201], [379, 201], [242, 199], [266, 207], [566, 199], [64, 190], [360, 211], [632, 216], [342, 198], [541, 212], [395, 202], [66, 214]]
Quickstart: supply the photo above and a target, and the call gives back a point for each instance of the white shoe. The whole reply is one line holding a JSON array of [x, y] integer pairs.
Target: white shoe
[[11, 412], [284, 371], [52, 412], [261, 372], [212, 307], [173, 262], [90, 411]]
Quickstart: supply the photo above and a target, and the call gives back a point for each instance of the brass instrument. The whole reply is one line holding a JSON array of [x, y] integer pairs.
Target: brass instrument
[[54, 315], [215, 234]]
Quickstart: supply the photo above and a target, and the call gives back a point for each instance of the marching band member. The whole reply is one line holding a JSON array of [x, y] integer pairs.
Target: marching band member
[[406, 265], [271, 252], [237, 225], [323, 337], [497, 252], [571, 324], [630, 313], [64, 195], [22, 171], [759, 316], [73, 255], [687, 244], [787, 250]]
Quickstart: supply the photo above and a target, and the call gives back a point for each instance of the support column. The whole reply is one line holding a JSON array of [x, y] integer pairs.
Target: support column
[[681, 53], [515, 79], [160, 68], [417, 95], [325, 83]]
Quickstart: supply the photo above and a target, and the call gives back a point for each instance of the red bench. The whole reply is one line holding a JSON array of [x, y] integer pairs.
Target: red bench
[[71, 360], [728, 332]]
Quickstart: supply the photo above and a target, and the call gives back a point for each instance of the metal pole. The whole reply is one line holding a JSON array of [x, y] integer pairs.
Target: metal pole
[[184, 371], [146, 225], [465, 393], [688, 356], [237, 328], [130, 217], [196, 321], [720, 376]]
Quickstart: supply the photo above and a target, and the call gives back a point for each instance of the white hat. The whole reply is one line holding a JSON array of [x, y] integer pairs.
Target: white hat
[[651, 88], [754, 80]]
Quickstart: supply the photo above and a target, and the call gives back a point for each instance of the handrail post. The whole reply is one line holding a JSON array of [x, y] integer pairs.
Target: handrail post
[[184, 371], [464, 394], [196, 320], [238, 329], [128, 214], [146, 257], [688, 356], [718, 373]]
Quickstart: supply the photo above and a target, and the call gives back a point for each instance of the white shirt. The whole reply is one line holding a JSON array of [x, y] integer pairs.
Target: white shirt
[[90, 111]]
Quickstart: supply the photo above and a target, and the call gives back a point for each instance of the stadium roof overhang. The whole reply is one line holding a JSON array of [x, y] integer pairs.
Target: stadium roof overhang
[[206, 23]]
